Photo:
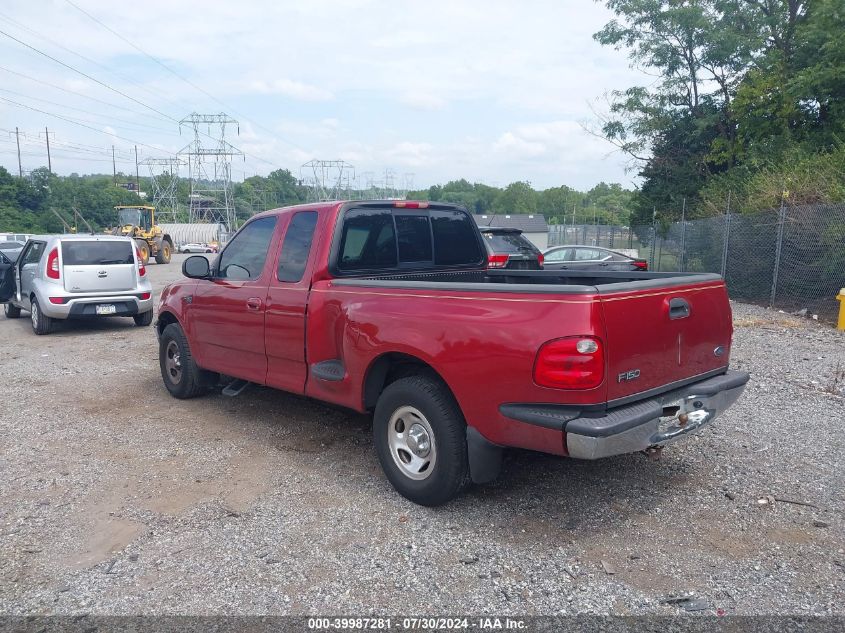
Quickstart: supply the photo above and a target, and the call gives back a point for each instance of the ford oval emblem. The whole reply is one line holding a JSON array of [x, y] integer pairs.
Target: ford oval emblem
[[719, 351]]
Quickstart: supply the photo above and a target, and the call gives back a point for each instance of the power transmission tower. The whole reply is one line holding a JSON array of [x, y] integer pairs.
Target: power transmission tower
[[327, 179], [164, 177], [210, 169]]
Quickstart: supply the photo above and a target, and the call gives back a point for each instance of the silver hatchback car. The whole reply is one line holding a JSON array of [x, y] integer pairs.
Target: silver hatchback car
[[78, 276]]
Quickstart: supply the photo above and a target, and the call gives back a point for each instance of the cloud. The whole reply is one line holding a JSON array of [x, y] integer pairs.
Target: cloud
[[291, 88], [422, 101]]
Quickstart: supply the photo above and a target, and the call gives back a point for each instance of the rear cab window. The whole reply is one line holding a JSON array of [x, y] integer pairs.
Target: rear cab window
[[96, 252], [373, 238]]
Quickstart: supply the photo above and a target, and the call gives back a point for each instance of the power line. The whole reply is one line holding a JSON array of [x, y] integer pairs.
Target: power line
[[180, 76], [87, 76], [81, 94], [114, 118], [58, 116]]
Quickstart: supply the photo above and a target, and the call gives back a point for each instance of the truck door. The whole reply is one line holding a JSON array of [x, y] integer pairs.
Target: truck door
[[227, 311], [287, 302]]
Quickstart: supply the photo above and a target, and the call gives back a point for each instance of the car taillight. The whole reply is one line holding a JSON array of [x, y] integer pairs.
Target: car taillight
[[145, 296], [541, 258], [641, 265], [574, 362], [58, 300], [497, 261], [142, 270], [53, 264]]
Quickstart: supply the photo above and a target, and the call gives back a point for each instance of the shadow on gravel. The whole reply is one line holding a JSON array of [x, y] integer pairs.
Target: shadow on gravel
[[556, 495]]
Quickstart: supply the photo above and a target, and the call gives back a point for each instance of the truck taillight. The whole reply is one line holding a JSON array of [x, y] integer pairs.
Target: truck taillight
[[541, 258], [142, 270], [497, 261], [574, 362], [53, 271]]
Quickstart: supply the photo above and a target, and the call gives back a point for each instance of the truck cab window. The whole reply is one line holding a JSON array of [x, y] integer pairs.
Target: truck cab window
[[297, 246], [368, 240], [243, 258], [414, 235]]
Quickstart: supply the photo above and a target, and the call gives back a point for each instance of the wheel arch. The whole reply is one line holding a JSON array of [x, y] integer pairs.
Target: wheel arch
[[165, 318]]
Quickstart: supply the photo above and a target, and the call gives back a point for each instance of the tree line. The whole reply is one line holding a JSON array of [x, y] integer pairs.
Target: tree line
[[27, 204]]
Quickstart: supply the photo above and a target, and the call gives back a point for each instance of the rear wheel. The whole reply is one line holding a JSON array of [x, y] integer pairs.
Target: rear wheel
[[143, 319], [181, 375], [164, 252], [144, 250], [41, 324], [11, 312], [420, 438]]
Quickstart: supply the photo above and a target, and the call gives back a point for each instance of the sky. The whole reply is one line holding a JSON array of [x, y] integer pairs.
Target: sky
[[493, 91]]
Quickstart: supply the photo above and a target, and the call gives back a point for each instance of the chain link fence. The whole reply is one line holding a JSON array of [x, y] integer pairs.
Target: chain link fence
[[792, 258]]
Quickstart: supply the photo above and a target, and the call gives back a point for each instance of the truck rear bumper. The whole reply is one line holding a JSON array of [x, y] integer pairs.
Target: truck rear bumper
[[655, 421]]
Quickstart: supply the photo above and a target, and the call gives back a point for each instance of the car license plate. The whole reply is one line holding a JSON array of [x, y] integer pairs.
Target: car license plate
[[106, 308]]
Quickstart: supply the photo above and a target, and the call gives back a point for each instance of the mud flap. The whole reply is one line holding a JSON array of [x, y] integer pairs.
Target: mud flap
[[485, 458]]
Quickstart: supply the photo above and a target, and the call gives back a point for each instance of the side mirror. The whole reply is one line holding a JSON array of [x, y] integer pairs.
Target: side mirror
[[196, 267]]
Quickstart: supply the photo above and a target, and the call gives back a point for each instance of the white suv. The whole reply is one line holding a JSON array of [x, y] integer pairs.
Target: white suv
[[79, 276]]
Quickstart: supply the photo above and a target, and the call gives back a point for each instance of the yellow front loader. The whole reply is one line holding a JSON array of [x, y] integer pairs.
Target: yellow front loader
[[138, 222]]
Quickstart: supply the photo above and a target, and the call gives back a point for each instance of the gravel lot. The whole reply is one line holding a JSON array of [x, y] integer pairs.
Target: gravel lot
[[117, 499]]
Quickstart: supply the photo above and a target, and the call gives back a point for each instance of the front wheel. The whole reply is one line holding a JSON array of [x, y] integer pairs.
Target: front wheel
[[143, 250], [11, 312], [420, 438], [181, 375], [41, 324]]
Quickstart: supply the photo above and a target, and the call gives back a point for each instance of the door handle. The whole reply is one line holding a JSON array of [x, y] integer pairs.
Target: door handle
[[253, 303], [678, 308]]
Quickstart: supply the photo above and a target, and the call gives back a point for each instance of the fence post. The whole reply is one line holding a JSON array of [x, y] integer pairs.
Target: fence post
[[612, 229], [683, 236], [727, 237], [653, 237], [781, 222]]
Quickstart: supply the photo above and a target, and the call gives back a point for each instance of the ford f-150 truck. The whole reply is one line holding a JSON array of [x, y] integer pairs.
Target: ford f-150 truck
[[389, 307]]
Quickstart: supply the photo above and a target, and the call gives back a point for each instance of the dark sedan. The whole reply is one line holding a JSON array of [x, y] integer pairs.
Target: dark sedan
[[590, 258]]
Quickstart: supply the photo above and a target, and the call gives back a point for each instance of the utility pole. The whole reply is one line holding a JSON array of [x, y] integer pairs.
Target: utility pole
[[18, 140], [113, 167], [49, 161], [137, 177]]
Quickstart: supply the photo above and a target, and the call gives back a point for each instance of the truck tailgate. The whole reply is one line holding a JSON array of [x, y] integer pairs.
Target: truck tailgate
[[659, 336]]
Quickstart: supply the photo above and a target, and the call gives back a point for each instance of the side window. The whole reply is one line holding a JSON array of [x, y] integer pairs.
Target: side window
[[557, 256], [297, 246], [244, 256], [414, 235], [368, 240], [33, 254], [586, 254]]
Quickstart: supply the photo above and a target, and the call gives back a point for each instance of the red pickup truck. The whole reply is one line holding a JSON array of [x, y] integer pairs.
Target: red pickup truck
[[389, 307]]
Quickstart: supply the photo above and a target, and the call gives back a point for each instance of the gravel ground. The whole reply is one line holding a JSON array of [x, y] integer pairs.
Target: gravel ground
[[117, 499]]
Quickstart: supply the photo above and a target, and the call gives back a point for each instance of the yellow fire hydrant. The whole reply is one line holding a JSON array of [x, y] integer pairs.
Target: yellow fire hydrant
[[840, 325]]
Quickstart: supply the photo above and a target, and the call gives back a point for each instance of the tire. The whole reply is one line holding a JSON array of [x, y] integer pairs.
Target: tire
[[208, 250], [41, 324], [164, 252], [11, 312], [144, 250], [420, 439], [183, 378], [143, 319]]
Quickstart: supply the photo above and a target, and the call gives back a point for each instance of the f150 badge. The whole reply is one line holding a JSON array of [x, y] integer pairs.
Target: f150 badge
[[627, 376]]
